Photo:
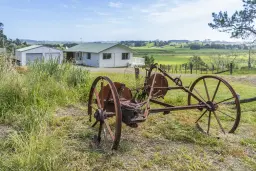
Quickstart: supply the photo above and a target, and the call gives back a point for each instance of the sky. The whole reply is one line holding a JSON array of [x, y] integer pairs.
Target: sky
[[110, 20]]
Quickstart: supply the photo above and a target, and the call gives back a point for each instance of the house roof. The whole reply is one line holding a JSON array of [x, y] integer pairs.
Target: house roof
[[94, 47], [28, 48]]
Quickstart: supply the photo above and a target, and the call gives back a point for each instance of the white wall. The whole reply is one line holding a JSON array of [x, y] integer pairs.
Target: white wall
[[94, 61], [18, 55], [116, 57], [44, 50]]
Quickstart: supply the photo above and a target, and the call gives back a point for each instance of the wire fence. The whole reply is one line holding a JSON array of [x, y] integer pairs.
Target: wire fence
[[198, 69]]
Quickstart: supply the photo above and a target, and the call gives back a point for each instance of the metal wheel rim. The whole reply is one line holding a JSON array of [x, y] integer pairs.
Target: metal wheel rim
[[118, 112], [237, 103]]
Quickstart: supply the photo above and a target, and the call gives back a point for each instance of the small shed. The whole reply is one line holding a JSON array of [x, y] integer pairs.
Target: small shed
[[33, 53]]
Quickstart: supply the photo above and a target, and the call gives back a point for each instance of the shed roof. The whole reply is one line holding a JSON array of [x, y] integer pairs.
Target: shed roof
[[28, 48], [94, 47]]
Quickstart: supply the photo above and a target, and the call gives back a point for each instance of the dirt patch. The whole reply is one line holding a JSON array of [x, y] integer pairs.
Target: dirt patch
[[71, 110], [4, 131], [250, 79]]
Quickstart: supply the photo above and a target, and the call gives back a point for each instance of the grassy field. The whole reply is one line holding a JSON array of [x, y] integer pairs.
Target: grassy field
[[44, 126], [172, 55]]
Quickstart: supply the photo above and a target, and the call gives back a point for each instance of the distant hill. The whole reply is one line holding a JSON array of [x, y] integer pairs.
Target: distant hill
[[32, 42]]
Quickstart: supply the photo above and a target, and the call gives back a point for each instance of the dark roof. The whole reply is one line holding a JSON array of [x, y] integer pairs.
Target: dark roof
[[94, 47]]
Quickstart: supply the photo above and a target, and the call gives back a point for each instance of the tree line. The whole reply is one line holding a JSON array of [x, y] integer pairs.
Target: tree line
[[8, 43], [184, 44]]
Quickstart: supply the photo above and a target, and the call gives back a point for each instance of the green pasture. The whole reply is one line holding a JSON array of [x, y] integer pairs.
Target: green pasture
[[172, 55]]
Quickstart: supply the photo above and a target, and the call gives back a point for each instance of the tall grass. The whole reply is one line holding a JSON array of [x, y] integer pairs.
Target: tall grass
[[26, 104]]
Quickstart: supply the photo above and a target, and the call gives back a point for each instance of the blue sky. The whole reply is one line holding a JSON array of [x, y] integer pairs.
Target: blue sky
[[110, 20]]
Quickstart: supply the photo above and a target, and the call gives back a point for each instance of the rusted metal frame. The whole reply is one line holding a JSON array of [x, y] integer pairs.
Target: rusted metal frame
[[168, 88], [160, 103], [150, 97], [167, 75], [168, 109], [192, 94], [183, 88]]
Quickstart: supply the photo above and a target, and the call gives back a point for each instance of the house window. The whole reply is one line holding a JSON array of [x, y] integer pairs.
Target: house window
[[106, 55], [89, 56], [125, 56]]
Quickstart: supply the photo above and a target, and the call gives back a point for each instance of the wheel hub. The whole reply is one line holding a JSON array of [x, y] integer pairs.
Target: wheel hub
[[212, 106], [99, 115]]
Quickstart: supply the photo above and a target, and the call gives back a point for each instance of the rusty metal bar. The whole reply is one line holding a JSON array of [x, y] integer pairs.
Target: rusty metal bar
[[161, 103], [168, 109], [150, 97]]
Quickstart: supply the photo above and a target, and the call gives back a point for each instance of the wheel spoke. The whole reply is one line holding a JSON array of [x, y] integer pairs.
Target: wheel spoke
[[218, 120], [209, 122], [206, 89], [109, 130], [225, 100], [201, 116], [199, 95], [102, 94], [95, 123], [97, 98], [226, 114], [110, 114], [107, 100], [216, 90], [100, 129]]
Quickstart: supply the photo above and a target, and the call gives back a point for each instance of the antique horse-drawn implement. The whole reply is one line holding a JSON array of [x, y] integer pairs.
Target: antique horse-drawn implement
[[112, 103]]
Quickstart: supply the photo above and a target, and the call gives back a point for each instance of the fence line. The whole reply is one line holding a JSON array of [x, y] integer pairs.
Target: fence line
[[197, 69]]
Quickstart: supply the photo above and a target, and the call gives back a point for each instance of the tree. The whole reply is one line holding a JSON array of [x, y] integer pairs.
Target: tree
[[2, 37], [195, 47], [149, 60], [1, 27], [240, 25]]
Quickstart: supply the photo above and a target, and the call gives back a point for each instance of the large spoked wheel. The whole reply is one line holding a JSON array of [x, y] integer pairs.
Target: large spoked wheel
[[222, 114], [105, 111]]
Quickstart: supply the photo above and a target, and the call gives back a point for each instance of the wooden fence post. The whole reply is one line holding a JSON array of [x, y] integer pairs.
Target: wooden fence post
[[231, 68], [137, 73]]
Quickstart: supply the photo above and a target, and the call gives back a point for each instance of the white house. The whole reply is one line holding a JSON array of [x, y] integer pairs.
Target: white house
[[37, 52], [101, 54]]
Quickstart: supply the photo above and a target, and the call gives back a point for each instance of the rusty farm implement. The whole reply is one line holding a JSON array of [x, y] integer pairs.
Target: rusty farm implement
[[112, 104]]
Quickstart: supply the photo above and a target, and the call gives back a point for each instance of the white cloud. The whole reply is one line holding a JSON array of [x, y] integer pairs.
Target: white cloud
[[191, 10], [87, 19], [65, 5], [116, 21], [102, 13], [115, 4]]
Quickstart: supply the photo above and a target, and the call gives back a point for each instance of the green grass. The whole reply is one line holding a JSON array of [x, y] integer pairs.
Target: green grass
[[169, 55], [26, 104], [43, 139]]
